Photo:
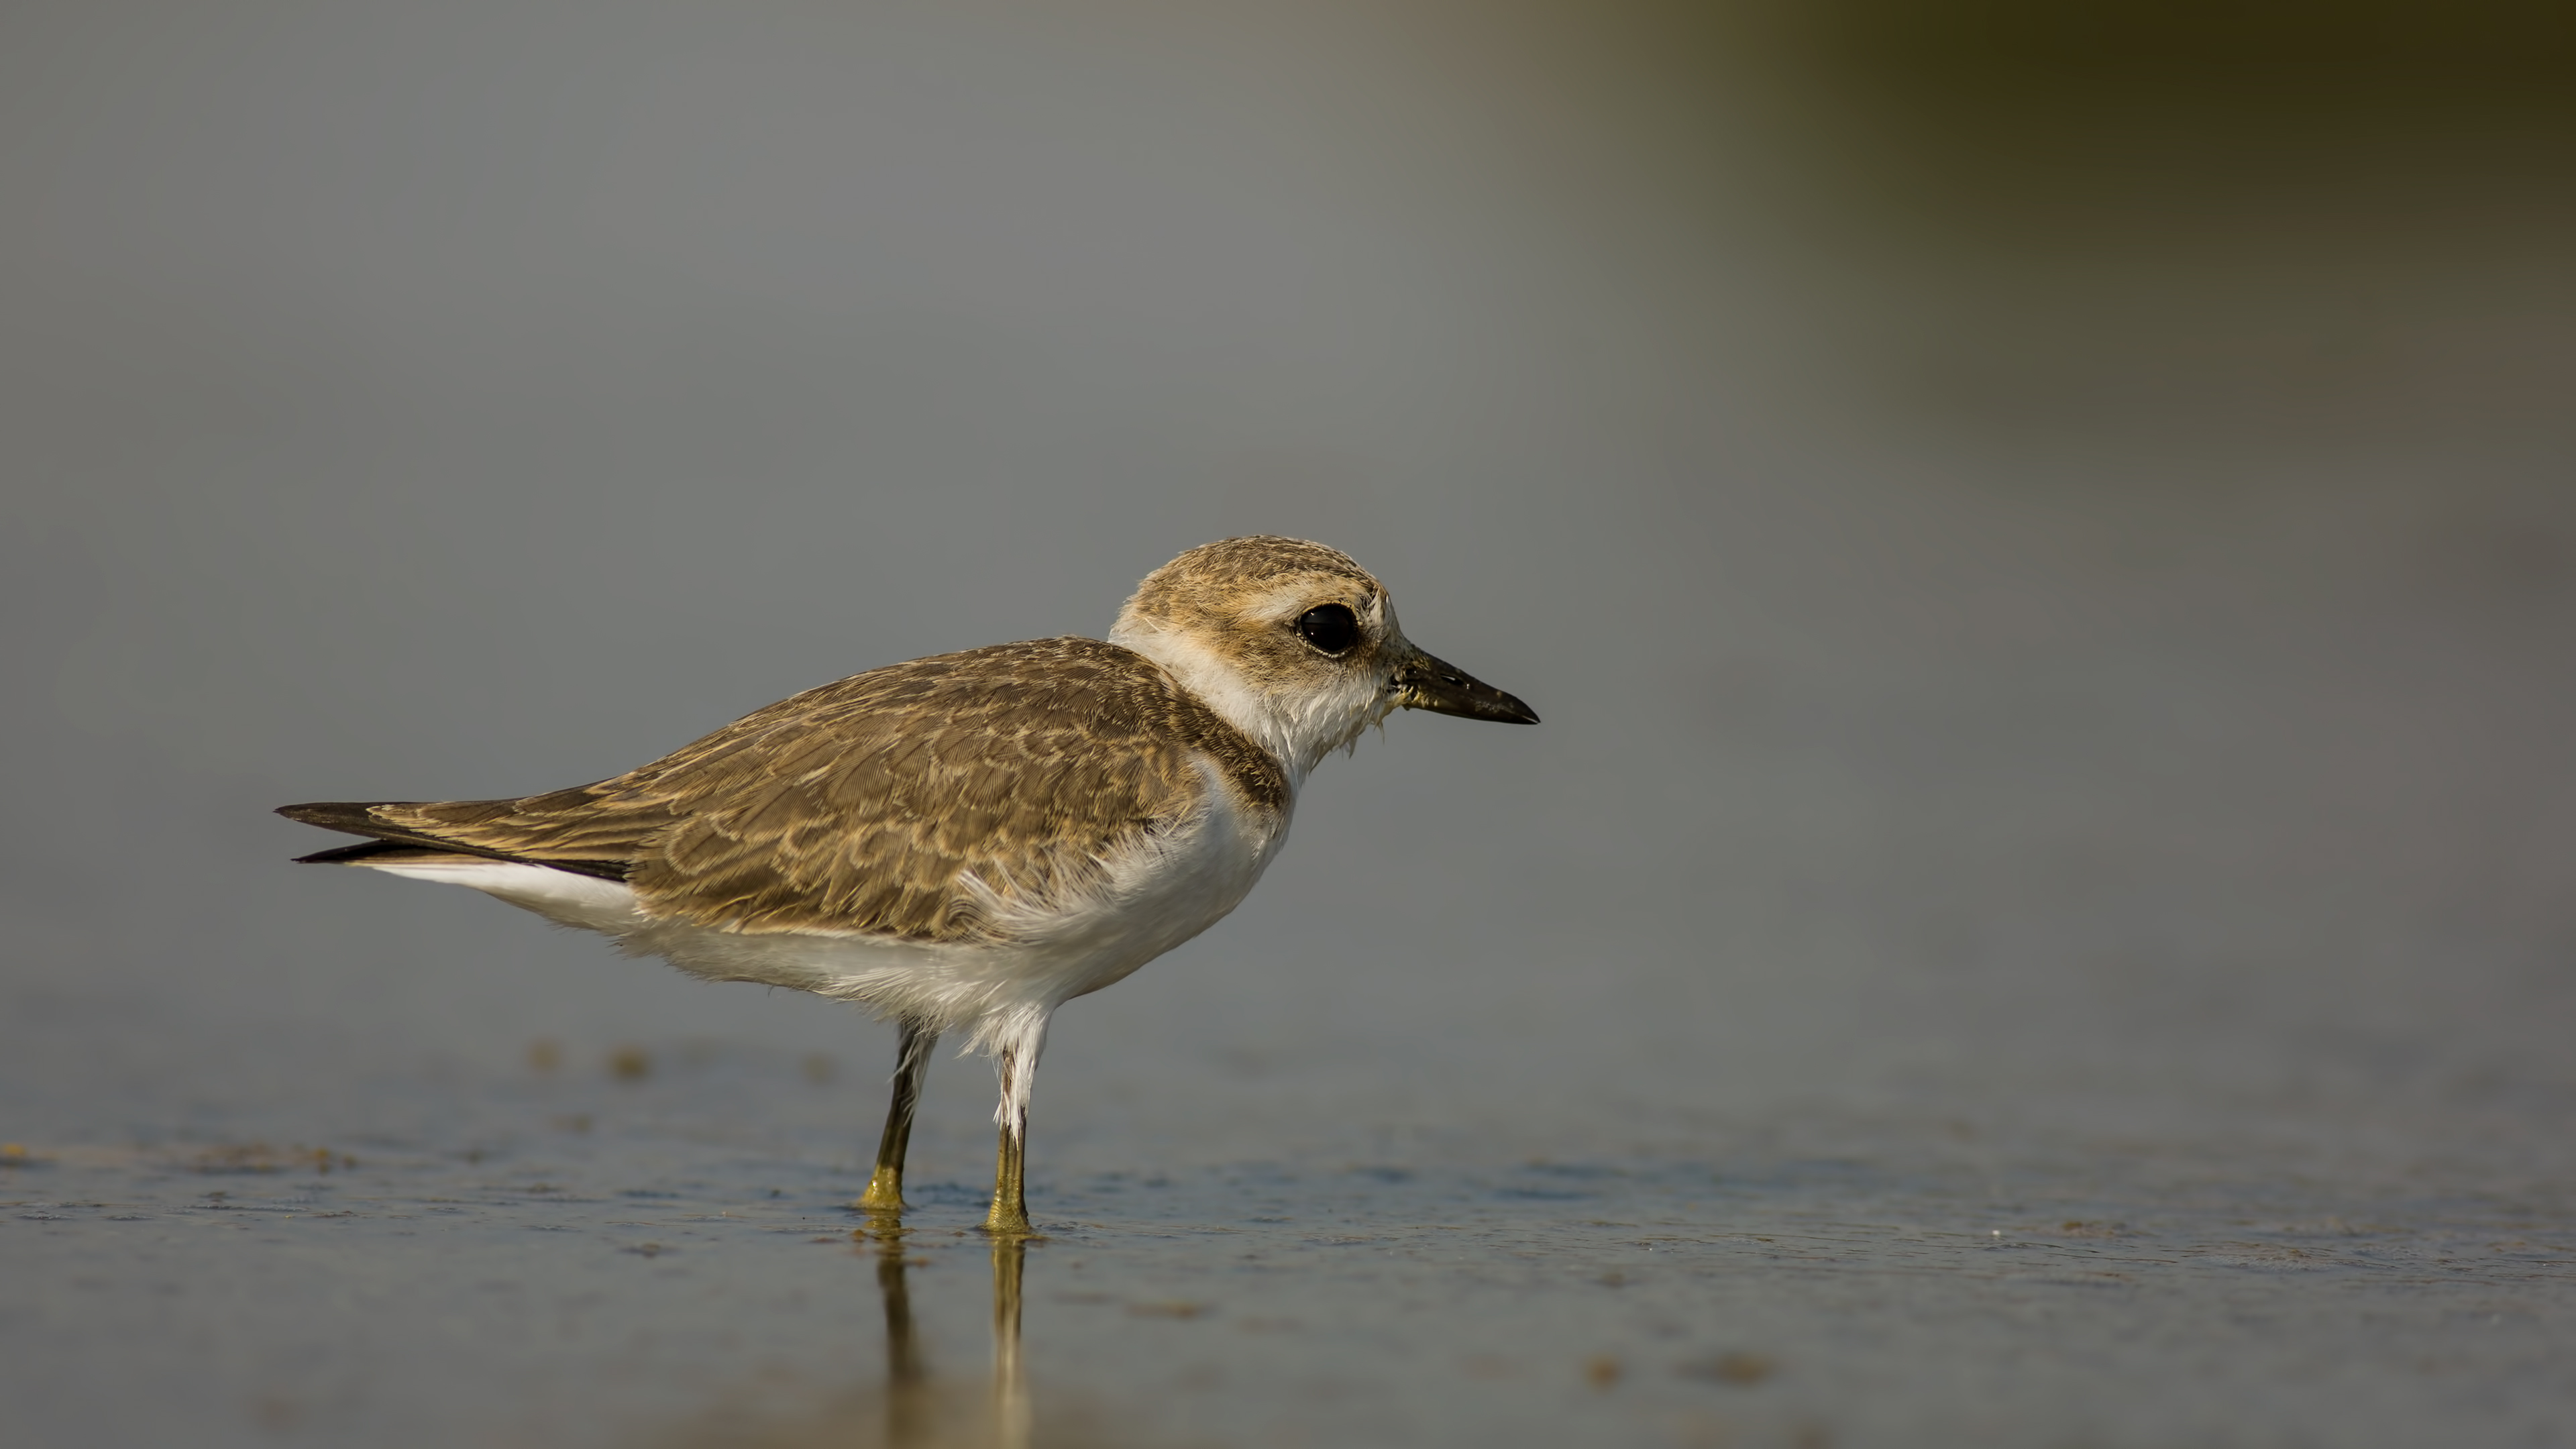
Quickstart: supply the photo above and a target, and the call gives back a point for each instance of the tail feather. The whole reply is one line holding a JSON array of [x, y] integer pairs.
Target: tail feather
[[349, 854], [387, 839]]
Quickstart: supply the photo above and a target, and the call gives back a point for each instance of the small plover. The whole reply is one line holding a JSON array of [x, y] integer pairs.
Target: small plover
[[966, 842]]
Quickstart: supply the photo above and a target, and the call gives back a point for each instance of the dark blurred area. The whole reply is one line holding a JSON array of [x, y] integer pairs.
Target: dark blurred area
[[2299, 217]]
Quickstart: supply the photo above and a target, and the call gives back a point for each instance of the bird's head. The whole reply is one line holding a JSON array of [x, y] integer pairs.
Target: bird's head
[[1294, 644]]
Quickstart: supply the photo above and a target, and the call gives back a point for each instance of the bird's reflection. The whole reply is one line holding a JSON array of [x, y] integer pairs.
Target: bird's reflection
[[1010, 1386], [916, 1415], [910, 1416], [917, 1402]]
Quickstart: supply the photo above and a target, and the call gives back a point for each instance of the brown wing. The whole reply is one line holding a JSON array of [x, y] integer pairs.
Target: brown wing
[[859, 805]]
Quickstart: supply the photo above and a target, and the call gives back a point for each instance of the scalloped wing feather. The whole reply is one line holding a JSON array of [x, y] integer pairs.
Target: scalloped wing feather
[[942, 799]]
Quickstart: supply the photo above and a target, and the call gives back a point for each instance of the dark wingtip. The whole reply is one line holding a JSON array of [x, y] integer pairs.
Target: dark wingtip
[[349, 815], [358, 818]]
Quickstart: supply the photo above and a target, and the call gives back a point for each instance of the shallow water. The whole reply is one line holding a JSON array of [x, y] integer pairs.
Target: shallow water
[[614, 1258], [2040, 914]]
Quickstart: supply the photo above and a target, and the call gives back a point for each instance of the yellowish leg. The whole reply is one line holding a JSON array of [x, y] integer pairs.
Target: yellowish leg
[[912, 1063], [1010, 1214]]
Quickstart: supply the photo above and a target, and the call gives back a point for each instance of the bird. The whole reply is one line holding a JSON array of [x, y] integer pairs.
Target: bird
[[962, 843]]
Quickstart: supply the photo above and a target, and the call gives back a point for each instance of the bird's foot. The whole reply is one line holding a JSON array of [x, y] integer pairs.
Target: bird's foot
[[1008, 1220], [884, 1193]]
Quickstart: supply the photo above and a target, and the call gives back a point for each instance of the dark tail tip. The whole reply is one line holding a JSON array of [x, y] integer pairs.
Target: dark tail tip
[[348, 854]]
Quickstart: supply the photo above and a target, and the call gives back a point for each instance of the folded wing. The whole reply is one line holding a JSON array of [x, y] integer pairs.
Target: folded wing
[[865, 804]]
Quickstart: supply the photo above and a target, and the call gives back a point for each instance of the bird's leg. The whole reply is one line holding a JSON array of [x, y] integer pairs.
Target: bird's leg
[[1010, 1212], [912, 1063], [1015, 1060], [1016, 1044]]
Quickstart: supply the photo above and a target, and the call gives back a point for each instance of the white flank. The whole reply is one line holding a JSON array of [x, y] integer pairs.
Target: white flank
[[582, 901]]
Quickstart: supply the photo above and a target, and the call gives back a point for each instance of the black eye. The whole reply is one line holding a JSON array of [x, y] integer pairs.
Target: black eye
[[1329, 627]]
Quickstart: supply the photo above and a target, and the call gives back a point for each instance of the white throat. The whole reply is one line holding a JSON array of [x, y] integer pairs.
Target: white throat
[[1297, 729]]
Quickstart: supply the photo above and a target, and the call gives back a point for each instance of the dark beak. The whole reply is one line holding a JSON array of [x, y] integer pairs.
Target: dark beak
[[1422, 682]]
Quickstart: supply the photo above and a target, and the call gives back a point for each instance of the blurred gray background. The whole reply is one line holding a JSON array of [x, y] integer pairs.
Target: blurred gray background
[[2042, 535]]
